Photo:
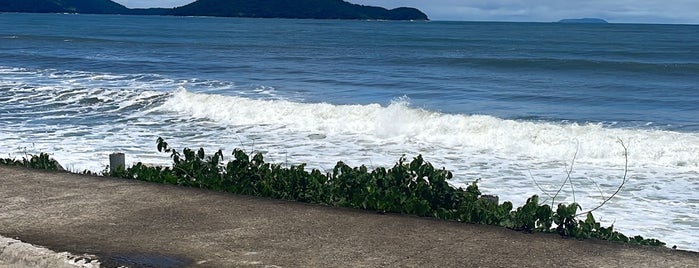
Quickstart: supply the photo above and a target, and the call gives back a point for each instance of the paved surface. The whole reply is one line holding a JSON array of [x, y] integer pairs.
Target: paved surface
[[17, 254], [139, 224]]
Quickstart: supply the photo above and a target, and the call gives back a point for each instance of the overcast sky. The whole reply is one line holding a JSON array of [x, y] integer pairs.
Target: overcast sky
[[642, 11]]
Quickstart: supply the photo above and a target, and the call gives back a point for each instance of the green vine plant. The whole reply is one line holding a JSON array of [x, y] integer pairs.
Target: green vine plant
[[409, 187], [566, 216], [624, 179], [413, 187], [40, 161]]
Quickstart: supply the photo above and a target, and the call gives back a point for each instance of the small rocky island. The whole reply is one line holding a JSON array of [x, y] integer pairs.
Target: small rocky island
[[583, 20], [293, 9]]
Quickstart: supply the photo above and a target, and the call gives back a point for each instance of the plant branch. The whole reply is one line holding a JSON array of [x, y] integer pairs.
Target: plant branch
[[623, 181], [570, 170], [539, 186]]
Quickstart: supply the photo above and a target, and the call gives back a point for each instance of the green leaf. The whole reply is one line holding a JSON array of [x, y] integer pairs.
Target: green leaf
[[200, 153]]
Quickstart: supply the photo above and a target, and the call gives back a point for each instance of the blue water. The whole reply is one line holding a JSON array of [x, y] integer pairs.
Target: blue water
[[505, 102], [618, 73]]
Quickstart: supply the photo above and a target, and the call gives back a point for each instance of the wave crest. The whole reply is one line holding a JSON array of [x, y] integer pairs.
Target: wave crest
[[400, 123]]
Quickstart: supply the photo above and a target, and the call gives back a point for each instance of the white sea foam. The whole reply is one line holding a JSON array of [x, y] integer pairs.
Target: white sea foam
[[81, 117], [398, 122], [508, 155]]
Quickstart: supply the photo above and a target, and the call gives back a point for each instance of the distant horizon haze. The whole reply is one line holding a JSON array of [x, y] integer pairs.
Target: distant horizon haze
[[641, 11]]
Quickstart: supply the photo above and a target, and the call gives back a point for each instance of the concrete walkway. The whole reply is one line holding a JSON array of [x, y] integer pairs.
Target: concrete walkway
[[137, 224]]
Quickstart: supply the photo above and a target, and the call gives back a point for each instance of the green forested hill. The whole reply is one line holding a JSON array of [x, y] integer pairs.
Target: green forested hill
[[304, 9], [63, 6]]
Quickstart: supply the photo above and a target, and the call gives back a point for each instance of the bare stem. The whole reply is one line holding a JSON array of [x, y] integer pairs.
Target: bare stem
[[570, 170], [539, 186], [623, 181]]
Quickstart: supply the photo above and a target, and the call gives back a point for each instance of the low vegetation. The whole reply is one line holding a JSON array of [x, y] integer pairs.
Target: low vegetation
[[413, 187], [41, 161]]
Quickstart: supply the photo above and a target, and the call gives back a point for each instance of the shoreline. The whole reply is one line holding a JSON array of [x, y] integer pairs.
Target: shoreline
[[119, 220]]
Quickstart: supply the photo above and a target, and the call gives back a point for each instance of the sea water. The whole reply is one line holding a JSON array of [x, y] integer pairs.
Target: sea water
[[520, 106]]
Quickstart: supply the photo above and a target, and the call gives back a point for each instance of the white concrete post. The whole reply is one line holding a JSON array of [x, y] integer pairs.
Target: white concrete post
[[117, 160], [492, 198]]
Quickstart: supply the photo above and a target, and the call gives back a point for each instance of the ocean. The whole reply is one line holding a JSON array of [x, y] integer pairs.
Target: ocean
[[519, 106]]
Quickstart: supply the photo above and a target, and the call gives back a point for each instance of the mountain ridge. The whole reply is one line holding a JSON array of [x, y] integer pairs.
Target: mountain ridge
[[63, 6], [296, 9]]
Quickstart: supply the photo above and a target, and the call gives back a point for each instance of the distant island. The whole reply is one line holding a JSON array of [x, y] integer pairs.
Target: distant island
[[583, 20], [293, 9]]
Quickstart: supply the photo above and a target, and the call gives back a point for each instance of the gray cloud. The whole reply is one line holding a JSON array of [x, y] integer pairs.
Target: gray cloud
[[643, 11]]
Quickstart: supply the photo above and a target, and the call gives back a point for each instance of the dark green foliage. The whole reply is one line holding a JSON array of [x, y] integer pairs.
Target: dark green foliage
[[293, 9], [409, 187], [565, 219], [63, 6], [531, 216], [41, 161], [296, 9]]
